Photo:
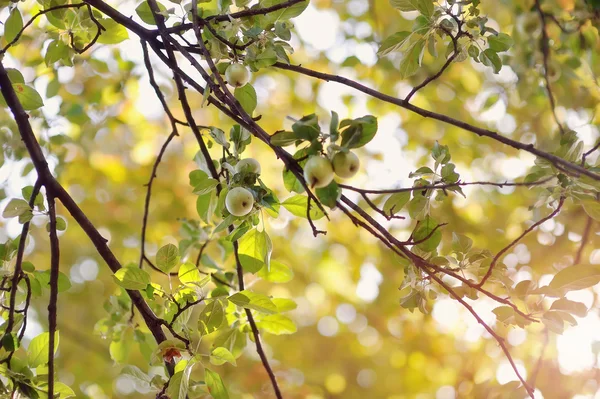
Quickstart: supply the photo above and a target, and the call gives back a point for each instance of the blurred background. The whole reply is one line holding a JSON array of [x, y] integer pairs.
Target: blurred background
[[103, 127]]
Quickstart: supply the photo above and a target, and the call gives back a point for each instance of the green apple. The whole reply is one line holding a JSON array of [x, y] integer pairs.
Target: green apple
[[318, 172], [237, 75], [345, 164], [239, 201], [248, 165]]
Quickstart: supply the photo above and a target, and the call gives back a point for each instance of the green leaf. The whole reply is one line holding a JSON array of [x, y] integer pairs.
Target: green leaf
[[500, 43], [252, 300], [284, 304], [176, 383], [422, 171], [234, 340], [283, 138], [37, 352], [277, 324], [267, 58], [412, 59], [114, 33], [13, 25], [16, 76], [424, 229], [63, 390], [219, 136], [246, 95], [215, 385], [278, 273], [396, 202], [307, 128], [222, 355], [297, 204], [145, 12], [56, 51], [205, 206], [448, 173], [63, 281], [29, 98], [197, 176], [333, 126], [359, 132], [206, 186], [132, 278], [575, 278], [189, 274], [576, 308], [461, 244], [396, 42], [211, 317], [141, 379], [417, 207], [15, 207], [167, 258], [440, 154], [592, 208], [404, 5], [283, 14], [254, 250], [489, 58], [329, 195]]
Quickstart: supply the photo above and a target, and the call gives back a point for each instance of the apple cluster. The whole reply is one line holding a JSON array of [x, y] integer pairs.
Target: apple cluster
[[239, 200], [319, 170]]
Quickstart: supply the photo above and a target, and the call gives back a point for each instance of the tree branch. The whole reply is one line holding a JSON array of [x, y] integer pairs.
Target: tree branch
[[52, 309], [46, 179], [555, 160], [516, 240], [259, 348], [545, 48]]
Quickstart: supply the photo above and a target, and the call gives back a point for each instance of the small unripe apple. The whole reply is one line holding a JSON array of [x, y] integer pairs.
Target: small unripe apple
[[248, 165], [239, 201], [237, 75], [318, 172], [345, 164]]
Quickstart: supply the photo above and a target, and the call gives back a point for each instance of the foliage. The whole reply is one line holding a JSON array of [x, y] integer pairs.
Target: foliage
[[215, 276]]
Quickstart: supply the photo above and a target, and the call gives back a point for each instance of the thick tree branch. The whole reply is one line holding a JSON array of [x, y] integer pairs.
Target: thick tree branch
[[52, 308], [52, 185]]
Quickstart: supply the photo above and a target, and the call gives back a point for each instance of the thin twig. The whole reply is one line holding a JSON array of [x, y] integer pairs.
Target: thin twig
[[445, 186], [236, 15], [545, 48], [149, 194], [259, 348], [439, 73], [516, 240], [37, 15], [18, 272]]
